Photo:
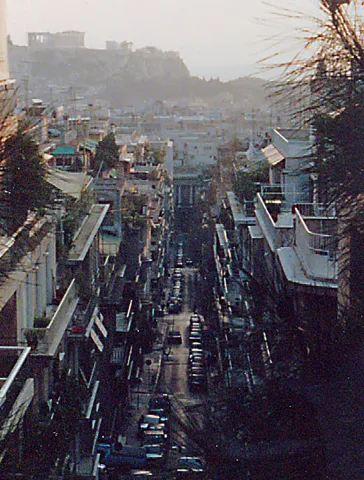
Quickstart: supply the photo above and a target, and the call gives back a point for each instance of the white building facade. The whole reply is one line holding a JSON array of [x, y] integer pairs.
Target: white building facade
[[4, 66]]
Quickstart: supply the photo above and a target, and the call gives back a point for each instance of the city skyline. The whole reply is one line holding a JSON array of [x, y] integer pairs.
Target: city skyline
[[207, 35]]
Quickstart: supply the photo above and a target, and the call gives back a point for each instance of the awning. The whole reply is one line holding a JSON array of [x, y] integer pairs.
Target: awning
[[70, 183], [98, 321], [96, 340], [64, 151], [273, 155]]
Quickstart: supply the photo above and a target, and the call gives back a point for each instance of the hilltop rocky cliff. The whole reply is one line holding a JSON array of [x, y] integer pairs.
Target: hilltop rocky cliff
[[124, 78]]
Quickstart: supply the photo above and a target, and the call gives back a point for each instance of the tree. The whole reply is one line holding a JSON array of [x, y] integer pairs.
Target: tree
[[246, 184], [107, 154], [324, 87], [23, 180]]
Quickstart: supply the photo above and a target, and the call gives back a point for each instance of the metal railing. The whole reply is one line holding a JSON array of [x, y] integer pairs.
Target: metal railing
[[12, 384], [317, 252], [42, 338], [315, 210], [266, 221]]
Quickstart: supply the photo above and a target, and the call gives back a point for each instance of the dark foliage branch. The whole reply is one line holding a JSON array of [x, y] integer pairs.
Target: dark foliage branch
[[107, 154], [323, 89]]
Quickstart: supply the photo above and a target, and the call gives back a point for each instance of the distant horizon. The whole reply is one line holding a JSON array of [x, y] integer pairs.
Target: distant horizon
[[225, 73], [206, 33]]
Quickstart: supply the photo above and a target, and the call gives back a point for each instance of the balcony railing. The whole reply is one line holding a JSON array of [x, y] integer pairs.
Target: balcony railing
[[266, 222], [17, 388], [317, 252], [315, 210], [17, 246], [45, 341]]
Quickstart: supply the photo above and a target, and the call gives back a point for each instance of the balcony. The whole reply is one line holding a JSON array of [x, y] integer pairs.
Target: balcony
[[317, 252], [266, 223], [242, 214], [16, 387], [45, 341], [25, 239]]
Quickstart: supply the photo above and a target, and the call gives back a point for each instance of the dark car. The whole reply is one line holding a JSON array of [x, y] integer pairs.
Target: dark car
[[190, 467], [196, 350], [197, 382], [174, 307], [197, 370], [155, 453], [162, 414], [154, 437], [174, 337], [149, 419], [196, 357], [196, 364], [195, 336], [160, 401]]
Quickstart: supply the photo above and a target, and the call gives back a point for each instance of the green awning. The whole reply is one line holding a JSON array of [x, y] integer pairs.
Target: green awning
[[66, 151]]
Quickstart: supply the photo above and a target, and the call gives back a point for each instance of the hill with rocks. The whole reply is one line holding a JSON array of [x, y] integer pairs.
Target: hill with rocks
[[125, 78]]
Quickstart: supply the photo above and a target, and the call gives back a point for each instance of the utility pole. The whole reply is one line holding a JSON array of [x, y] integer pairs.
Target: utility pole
[[25, 79]]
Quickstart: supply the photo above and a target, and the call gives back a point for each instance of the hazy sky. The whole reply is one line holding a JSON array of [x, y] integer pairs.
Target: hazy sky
[[205, 32]]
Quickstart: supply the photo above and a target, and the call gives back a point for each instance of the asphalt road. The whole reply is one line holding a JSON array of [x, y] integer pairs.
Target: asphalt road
[[187, 405]]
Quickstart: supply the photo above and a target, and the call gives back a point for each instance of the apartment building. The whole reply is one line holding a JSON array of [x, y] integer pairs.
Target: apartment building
[[51, 320], [193, 150], [293, 252], [289, 158]]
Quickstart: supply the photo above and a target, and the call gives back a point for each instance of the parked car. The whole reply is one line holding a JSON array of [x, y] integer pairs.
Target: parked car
[[174, 337], [196, 350], [196, 357], [156, 453], [195, 345], [190, 467], [196, 364], [154, 437], [197, 381], [149, 419], [117, 456], [162, 413], [141, 473], [161, 400], [174, 307], [195, 336]]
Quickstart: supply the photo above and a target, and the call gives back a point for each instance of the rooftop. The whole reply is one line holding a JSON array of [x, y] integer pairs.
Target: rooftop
[[294, 134]]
